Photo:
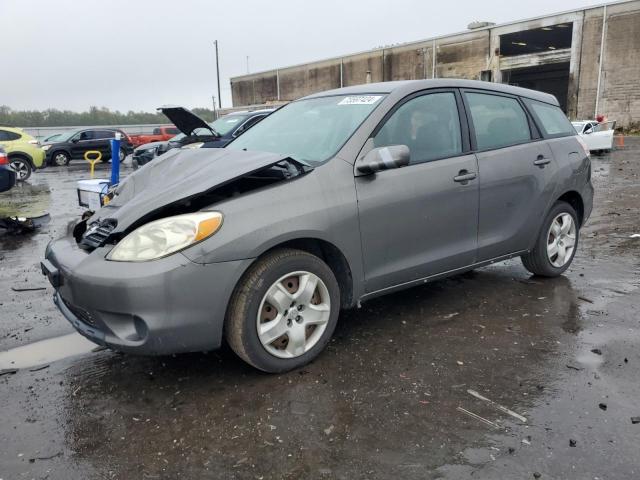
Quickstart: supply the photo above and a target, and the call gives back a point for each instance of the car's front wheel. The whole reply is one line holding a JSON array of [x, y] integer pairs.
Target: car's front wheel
[[556, 244], [22, 168], [283, 311], [60, 159]]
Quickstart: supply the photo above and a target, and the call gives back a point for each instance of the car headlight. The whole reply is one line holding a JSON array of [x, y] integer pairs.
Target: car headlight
[[46, 147], [166, 236], [194, 145]]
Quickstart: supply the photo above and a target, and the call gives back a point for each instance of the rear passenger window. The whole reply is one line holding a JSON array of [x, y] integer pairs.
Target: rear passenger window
[[497, 121], [551, 119], [429, 125], [9, 136]]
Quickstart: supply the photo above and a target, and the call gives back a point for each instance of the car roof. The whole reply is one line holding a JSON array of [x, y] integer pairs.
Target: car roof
[[11, 129], [408, 87]]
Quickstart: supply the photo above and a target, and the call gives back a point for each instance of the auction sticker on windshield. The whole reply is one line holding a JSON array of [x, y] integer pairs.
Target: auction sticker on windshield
[[360, 100]]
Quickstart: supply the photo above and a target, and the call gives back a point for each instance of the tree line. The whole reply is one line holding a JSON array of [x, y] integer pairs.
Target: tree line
[[94, 116]]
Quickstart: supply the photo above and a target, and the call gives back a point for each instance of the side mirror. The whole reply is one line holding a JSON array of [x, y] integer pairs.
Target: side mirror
[[384, 158], [74, 140], [588, 130]]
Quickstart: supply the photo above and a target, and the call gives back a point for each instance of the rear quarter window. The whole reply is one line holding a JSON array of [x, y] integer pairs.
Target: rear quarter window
[[551, 119], [9, 136]]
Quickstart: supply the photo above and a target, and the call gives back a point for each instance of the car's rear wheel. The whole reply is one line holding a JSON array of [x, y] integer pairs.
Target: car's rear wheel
[[60, 159], [556, 244], [283, 311], [22, 167]]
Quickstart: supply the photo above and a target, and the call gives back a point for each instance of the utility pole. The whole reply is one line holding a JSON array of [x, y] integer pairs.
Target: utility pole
[[218, 74], [247, 64]]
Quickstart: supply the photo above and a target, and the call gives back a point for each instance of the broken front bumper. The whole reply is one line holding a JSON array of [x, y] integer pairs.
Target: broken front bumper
[[163, 306]]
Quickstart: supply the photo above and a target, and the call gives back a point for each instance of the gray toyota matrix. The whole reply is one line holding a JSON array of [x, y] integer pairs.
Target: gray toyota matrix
[[330, 201]]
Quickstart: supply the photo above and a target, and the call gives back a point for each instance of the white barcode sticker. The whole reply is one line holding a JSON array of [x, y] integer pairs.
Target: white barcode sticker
[[360, 100]]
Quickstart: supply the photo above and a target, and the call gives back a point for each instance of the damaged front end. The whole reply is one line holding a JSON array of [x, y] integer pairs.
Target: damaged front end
[[181, 183]]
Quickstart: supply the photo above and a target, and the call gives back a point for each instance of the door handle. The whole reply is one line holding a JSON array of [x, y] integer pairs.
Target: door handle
[[464, 176], [541, 161]]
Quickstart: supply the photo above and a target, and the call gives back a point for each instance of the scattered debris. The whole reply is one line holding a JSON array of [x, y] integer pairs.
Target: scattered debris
[[328, 431], [511, 450], [597, 351], [635, 235], [635, 420], [572, 442], [49, 457], [526, 442], [537, 474], [8, 371], [478, 417], [573, 367], [451, 315], [459, 362], [603, 406], [37, 369], [585, 299], [497, 405], [34, 289]]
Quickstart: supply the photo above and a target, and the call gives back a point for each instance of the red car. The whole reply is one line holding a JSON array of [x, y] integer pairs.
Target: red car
[[160, 134]]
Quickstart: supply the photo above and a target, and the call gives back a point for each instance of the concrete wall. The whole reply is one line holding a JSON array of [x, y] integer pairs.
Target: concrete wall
[[620, 81], [467, 54]]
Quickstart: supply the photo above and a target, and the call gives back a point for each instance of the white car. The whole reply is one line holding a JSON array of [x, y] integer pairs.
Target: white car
[[597, 136]]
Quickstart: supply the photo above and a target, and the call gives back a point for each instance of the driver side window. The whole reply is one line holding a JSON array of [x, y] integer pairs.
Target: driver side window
[[429, 125]]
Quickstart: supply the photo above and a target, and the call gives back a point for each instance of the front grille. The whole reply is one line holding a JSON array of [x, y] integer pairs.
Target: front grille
[[96, 237], [81, 313]]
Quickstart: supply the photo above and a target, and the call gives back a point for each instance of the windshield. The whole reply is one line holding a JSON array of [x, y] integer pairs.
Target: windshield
[[227, 123], [63, 137], [310, 130]]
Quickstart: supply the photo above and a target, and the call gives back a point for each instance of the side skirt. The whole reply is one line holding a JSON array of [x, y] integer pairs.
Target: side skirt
[[437, 276]]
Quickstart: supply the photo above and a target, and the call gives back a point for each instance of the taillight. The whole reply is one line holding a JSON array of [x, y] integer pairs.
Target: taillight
[[4, 160]]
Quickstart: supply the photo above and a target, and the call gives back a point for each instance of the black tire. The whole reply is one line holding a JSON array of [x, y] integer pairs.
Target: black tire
[[537, 261], [60, 159], [22, 167], [241, 321]]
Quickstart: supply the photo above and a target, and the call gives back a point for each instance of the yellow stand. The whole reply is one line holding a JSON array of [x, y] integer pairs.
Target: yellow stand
[[97, 156]]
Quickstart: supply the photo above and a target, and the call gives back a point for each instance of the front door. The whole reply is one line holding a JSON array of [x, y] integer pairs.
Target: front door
[[422, 219], [85, 143], [516, 170]]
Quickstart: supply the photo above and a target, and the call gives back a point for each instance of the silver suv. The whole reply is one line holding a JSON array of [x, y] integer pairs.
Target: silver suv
[[330, 201]]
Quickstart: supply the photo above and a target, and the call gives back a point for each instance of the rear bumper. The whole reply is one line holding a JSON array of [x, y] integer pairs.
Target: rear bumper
[[165, 306]]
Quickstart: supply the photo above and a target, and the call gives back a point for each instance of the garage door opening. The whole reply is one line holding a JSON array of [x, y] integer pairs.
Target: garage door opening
[[552, 78]]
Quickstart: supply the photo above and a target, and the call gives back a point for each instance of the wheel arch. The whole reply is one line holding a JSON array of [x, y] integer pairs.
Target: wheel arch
[[332, 256], [574, 199]]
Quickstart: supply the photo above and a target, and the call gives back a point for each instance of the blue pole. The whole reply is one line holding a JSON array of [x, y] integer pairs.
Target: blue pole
[[115, 160]]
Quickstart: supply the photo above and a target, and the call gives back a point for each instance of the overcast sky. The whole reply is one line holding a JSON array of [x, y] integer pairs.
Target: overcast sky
[[139, 54]]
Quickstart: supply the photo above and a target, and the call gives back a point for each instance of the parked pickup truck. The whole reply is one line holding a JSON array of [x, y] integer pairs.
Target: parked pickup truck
[[160, 134]]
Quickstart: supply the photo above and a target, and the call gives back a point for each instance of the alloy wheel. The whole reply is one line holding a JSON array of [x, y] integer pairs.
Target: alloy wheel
[[561, 240], [293, 314], [21, 168], [60, 159]]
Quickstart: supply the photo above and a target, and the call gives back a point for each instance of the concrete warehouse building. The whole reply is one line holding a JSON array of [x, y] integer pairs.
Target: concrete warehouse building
[[589, 59]]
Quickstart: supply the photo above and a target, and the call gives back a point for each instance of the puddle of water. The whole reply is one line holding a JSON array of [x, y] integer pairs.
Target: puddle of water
[[45, 351]]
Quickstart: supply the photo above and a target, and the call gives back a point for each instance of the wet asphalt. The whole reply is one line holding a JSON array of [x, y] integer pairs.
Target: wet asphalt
[[492, 374]]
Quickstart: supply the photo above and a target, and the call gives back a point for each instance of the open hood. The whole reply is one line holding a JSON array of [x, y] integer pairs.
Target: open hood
[[185, 120], [178, 181]]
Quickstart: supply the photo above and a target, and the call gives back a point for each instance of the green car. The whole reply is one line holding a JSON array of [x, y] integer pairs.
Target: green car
[[24, 151]]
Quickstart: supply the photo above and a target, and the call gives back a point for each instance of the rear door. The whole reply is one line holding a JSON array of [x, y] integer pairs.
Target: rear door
[[516, 170], [103, 142], [422, 219]]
